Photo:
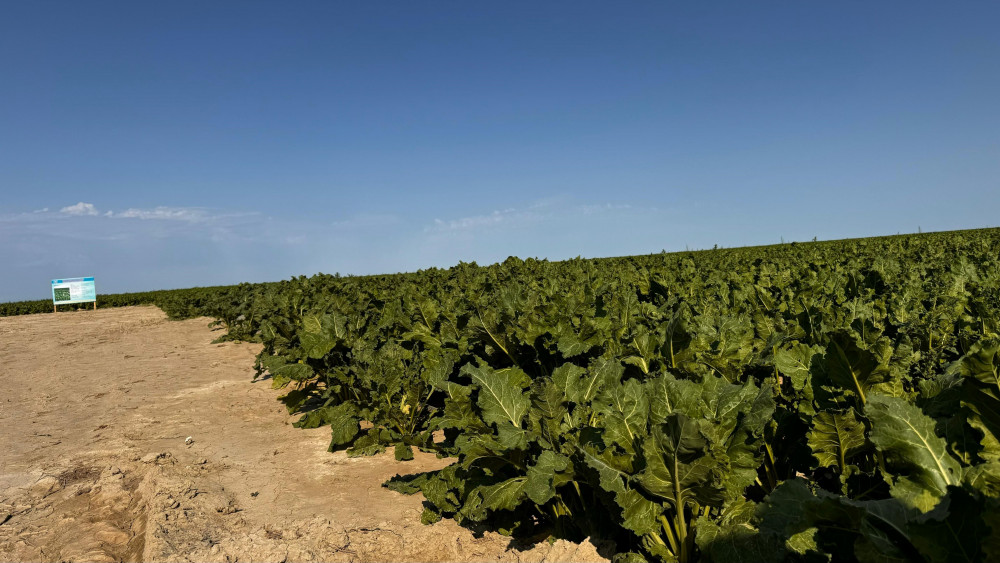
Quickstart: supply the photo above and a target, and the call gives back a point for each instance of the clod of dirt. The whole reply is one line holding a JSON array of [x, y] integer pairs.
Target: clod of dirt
[[113, 472], [229, 508], [45, 487], [77, 474], [153, 456]]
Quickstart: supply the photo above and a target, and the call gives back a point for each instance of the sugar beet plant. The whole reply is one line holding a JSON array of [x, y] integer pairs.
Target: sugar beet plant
[[822, 402]]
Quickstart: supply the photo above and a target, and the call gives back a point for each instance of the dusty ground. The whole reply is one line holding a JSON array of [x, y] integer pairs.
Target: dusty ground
[[95, 409]]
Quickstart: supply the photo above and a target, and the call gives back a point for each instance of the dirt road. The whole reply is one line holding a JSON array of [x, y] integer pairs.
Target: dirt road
[[96, 409]]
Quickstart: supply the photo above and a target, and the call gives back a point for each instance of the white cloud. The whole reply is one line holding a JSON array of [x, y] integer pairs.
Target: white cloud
[[540, 210], [189, 214], [79, 209], [478, 221], [83, 221]]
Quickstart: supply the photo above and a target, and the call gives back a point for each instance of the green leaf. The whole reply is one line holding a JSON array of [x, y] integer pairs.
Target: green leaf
[[906, 435], [783, 511], [953, 531], [506, 495], [549, 411], [846, 530], [294, 399], [852, 367], [795, 362], [320, 334], [581, 388], [803, 542], [984, 478], [610, 477], [982, 362], [835, 436], [639, 514], [542, 479], [403, 452], [295, 372], [625, 410], [984, 415], [736, 543], [501, 394], [344, 424], [739, 420], [592, 333], [679, 466]]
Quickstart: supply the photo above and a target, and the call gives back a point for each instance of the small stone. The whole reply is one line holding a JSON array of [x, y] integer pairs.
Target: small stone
[[188, 441], [152, 457], [45, 487]]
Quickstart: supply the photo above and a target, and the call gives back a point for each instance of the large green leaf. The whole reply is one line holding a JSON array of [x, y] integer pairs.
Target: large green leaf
[[344, 424], [852, 367], [906, 436], [981, 362], [679, 465], [625, 410], [545, 476], [294, 372], [873, 531], [320, 334], [502, 398], [742, 414], [835, 436], [737, 543], [953, 531], [582, 387], [484, 499]]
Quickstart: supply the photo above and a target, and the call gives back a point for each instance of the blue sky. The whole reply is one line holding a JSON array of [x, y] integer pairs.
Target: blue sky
[[172, 144]]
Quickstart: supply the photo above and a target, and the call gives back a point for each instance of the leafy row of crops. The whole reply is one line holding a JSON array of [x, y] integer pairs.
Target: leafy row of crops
[[808, 402], [184, 302]]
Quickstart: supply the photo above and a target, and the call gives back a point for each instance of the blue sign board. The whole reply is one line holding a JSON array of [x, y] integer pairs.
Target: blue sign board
[[73, 290]]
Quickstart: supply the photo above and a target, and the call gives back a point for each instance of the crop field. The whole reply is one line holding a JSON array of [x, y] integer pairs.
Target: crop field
[[832, 401]]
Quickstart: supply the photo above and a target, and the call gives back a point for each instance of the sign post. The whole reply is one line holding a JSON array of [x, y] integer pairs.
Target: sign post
[[73, 290]]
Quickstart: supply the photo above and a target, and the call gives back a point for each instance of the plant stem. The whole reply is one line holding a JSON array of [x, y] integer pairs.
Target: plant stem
[[668, 529]]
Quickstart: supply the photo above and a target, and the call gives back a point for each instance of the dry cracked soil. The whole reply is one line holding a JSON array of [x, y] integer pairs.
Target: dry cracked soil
[[129, 437]]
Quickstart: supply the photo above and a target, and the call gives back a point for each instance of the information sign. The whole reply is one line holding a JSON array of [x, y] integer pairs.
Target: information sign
[[73, 290]]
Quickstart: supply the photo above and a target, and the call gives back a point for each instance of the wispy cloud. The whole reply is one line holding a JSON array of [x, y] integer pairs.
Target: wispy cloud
[[187, 214], [366, 221], [592, 209], [84, 221], [477, 221], [538, 211], [79, 209]]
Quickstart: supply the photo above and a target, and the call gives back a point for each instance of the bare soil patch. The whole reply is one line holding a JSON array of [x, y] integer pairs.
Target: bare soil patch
[[96, 410]]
